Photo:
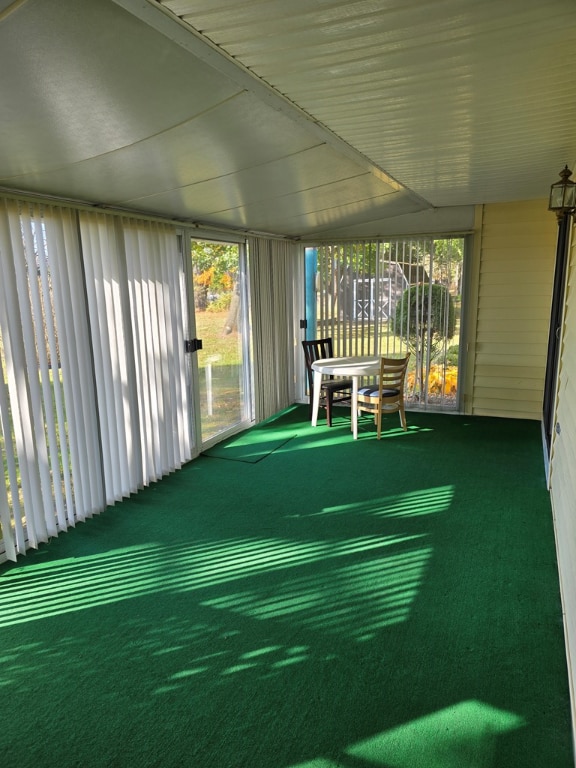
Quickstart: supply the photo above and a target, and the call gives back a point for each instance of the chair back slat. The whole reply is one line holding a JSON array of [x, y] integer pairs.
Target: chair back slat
[[316, 349], [393, 372]]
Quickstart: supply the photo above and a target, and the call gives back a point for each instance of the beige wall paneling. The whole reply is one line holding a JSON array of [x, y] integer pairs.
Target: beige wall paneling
[[516, 271]]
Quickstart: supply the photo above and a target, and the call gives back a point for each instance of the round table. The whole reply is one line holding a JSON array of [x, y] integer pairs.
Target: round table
[[349, 367]]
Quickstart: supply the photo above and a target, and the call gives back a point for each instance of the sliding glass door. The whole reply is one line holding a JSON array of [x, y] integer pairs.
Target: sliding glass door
[[390, 297], [221, 367]]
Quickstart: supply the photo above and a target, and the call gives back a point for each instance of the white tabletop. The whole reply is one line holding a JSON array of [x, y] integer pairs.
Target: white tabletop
[[348, 366]]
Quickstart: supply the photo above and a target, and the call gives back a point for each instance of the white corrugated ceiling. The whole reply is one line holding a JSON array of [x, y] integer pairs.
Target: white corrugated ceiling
[[299, 117]]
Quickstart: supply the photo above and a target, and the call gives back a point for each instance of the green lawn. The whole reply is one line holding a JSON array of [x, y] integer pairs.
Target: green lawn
[[219, 363], [211, 328]]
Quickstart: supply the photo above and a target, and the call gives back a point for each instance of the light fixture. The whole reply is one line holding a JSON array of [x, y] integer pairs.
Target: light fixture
[[563, 194]]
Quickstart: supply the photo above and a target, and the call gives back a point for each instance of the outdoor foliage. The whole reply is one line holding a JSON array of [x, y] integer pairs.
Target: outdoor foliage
[[215, 272], [441, 381], [453, 354], [426, 318], [425, 311]]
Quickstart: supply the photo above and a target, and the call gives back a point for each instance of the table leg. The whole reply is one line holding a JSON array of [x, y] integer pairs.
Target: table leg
[[316, 396], [354, 408]]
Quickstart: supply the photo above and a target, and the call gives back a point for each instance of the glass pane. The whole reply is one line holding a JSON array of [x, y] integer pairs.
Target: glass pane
[[390, 297], [219, 324], [557, 197], [570, 198]]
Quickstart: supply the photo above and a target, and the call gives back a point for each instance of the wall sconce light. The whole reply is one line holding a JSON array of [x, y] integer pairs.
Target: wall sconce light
[[563, 194]]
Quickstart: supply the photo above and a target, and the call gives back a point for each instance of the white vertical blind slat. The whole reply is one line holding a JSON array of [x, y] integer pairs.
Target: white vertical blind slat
[[139, 307], [122, 358], [174, 325], [155, 356], [163, 347], [92, 247], [152, 359]]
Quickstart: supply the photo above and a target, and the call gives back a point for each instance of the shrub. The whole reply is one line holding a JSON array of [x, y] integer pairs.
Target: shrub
[[452, 354], [426, 318], [220, 304]]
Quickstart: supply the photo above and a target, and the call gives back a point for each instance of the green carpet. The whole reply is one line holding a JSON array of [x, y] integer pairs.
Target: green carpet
[[255, 444], [341, 604]]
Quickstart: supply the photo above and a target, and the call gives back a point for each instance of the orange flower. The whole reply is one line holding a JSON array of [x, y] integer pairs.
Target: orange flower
[[441, 381]]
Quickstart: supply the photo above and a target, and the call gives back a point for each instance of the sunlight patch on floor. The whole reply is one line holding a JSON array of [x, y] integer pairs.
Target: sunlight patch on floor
[[354, 600], [426, 501], [33, 592], [465, 734], [462, 735]]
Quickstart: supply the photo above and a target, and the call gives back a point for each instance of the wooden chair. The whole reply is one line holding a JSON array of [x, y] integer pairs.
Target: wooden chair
[[320, 349], [387, 395]]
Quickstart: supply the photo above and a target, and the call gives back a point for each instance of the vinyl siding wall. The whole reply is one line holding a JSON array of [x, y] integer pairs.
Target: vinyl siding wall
[[514, 276], [563, 471]]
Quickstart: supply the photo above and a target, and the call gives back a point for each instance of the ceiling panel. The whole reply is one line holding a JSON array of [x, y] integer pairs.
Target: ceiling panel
[[205, 147], [463, 102], [312, 188], [87, 78]]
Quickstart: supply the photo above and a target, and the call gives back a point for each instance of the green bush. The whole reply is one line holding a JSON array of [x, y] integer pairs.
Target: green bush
[[452, 354], [425, 310], [426, 318], [220, 304]]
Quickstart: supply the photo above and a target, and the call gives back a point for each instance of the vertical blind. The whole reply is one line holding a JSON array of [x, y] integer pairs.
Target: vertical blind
[[47, 412], [273, 273], [93, 395], [394, 296], [134, 300]]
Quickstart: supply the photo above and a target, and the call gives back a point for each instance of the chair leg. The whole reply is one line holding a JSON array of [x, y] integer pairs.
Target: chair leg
[[329, 407], [403, 419]]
